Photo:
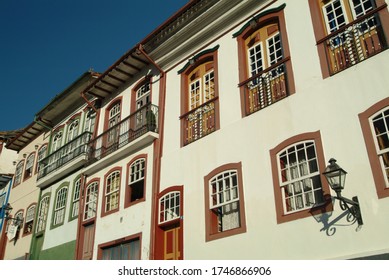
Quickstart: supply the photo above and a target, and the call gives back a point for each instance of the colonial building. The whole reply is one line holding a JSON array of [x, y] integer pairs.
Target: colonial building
[[210, 139], [22, 200]]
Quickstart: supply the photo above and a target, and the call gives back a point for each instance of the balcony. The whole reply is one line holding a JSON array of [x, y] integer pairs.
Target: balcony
[[199, 122], [266, 87], [139, 129], [354, 42], [57, 160]]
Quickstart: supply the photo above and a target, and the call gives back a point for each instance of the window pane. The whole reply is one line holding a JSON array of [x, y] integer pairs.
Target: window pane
[[300, 186]]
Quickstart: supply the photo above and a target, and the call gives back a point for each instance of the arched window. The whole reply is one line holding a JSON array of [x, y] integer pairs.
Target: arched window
[[375, 127], [18, 173], [73, 130], [91, 194], [348, 31], [76, 198], [60, 206], [265, 74], [42, 152], [29, 168], [298, 188], [56, 142], [42, 214], [29, 223], [199, 96], [136, 181], [112, 188], [169, 207], [224, 202]]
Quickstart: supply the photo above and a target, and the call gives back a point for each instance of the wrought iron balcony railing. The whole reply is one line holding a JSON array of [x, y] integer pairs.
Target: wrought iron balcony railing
[[266, 87], [137, 124], [65, 154], [354, 42]]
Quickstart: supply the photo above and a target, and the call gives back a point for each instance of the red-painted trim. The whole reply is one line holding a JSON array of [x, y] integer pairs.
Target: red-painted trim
[[37, 154], [210, 220], [134, 90], [127, 197], [376, 168], [117, 100], [276, 17], [32, 167], [160, 228], [33, 223], [21, 162], [327, 206], [103, 212]]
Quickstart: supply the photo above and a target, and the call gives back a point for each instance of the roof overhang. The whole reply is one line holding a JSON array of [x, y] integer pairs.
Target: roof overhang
[[59, 107], [119, 74]]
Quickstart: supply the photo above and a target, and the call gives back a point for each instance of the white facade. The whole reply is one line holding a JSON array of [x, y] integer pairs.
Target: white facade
[[329, 106]]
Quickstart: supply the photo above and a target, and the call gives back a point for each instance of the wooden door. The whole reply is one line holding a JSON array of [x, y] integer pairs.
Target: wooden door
[[172, 243], [87, 246]]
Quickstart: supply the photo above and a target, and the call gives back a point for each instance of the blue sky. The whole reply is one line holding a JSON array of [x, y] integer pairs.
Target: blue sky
[[45, 45]]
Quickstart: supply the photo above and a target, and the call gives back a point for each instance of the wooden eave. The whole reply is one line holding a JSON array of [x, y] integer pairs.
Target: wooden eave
[[120, 73]]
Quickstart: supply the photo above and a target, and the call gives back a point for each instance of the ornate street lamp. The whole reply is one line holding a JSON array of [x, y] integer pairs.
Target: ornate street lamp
[[336, 178], [7, 210]]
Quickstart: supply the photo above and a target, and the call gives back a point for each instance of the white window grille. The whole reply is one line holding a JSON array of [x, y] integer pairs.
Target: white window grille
[[28, 170], [41, 155], [91, 201], [18, 172], [300, 177], [112, 191], [224, 199], [30, 215], [380, 129], [42, 214], [169, 207], [255, 59], [60, 203], [136, 179], [334, 15], [76, 198]]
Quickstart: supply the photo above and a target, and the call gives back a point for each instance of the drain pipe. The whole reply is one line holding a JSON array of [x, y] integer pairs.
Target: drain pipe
[[88, 102], [39, 121], [140, 48]]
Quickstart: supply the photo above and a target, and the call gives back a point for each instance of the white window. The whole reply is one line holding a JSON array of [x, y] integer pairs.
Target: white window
[[224, 200], [255, 59], [76, 198], [169, 207], [300, 177], [73, 130], [59, 207], [361, 7], [274, 49], [18, 173], [42, 214], [334, 15], [90, 121], [28, 170], [30, 215], [114, 115], [112, 191], [143, 95], [201, 90], [56, 141], [41, 155], [91, 201], [380, 129], [136, 180]]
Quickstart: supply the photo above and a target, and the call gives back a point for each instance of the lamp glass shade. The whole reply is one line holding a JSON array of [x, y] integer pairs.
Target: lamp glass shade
[[335, 176]]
